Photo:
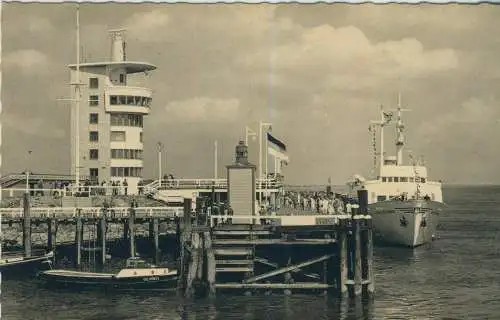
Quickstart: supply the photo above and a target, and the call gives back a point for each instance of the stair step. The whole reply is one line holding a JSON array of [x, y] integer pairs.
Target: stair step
[[233, 251], [236, 269], [240, 232], [234, 262]]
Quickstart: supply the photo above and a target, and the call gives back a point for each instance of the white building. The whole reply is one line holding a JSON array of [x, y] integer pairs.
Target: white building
[[110, 117]]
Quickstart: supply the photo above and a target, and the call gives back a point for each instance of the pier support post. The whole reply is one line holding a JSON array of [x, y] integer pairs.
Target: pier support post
[[131, 225], [343, 257], [79, 239], [368, 287], [357, 257], [354, 262], [101, 237], [211, 263], [27, 225], [51, 234], [154, 237], [125, 230], [187, 214]]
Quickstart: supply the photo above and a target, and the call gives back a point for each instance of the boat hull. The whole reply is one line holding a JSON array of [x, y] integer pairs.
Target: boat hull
[[88, 281], [19, 266], [409, 223]]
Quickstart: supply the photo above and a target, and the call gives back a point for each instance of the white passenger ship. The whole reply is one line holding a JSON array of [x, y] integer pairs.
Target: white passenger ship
[[403, 203]]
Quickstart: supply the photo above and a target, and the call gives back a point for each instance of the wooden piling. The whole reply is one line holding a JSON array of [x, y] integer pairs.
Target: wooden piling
[[210, 263], [131, 225], [357, 258], [51, 234], [154, 237], [78, 240], [192, 271], [125, 230], [343, 258], [27, 225], [187, 214], [368, 287], [101, 237]]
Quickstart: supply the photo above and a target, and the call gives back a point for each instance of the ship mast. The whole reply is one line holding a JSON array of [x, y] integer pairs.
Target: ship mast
[[399, 133], [380, 123]]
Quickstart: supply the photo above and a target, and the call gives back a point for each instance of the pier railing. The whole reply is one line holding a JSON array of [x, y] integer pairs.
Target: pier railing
[[92, 212], [148, 189], [281, 220], [35, 177], [166, 184]]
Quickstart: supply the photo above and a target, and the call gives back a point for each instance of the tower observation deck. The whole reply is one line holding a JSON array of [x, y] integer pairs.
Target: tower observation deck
[[109, 121]]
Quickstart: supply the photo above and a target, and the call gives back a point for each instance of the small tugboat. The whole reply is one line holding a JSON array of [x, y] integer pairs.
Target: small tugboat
[[137, 275]]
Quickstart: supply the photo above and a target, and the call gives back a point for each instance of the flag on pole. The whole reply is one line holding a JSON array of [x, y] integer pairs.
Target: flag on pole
[[277, 148]]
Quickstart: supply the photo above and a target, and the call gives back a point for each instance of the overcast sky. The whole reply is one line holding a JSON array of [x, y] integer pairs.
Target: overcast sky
[[317, 72]]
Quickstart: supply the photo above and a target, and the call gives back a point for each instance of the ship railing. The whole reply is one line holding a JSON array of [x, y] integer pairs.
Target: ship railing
[[92, 212]]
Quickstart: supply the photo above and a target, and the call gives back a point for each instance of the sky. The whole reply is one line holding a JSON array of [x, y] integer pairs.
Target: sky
[[318, 73]]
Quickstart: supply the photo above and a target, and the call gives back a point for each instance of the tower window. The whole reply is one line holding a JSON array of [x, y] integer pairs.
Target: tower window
[[93, 83], [93, 136], [94, 154], [122, 78], [117, 136], [93, 100], [94, 118]]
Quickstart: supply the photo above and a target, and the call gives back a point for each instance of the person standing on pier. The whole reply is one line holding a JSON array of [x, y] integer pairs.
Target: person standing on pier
[[125, 186], [348, 208]]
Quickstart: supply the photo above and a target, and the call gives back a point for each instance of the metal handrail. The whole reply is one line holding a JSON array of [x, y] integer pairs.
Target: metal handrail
[[206, 183], [93, 212]]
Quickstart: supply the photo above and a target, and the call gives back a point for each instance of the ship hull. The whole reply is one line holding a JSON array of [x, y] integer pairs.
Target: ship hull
[[409, 223]]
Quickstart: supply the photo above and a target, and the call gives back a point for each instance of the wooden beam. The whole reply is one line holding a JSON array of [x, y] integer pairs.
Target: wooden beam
[[297, 285], [287, 269], [273, 241], [275, 265]]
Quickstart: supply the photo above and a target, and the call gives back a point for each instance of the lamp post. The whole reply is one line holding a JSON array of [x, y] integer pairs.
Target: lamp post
[[28, 171], [159, 148]]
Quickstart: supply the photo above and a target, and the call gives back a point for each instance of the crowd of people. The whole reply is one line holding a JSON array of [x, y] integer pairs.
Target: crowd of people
[[319, 202], [86, 188]]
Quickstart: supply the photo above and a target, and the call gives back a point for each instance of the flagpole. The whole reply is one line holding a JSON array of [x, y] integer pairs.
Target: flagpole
[[215, 159], [260, 163], [382, 139], [260, 149]]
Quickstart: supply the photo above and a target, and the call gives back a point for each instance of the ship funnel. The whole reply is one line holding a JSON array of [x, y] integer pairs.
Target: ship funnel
[[117, 45]]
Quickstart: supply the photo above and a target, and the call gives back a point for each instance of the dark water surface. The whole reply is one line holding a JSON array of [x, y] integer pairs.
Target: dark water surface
[[457, 277]]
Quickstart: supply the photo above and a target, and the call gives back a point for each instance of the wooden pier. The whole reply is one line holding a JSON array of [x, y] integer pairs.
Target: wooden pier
[[320, 254], [279, 257]]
